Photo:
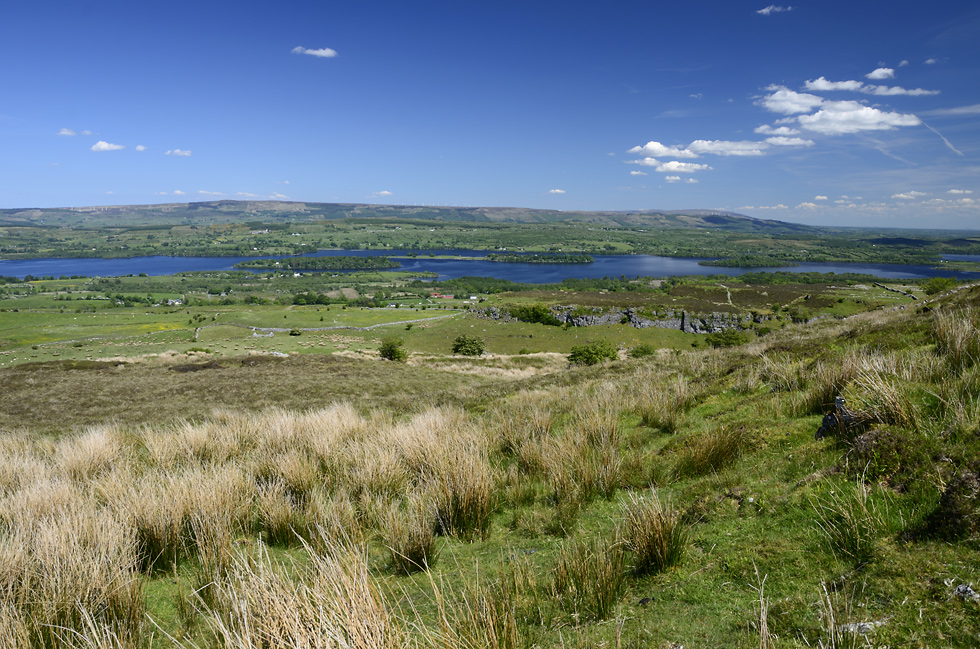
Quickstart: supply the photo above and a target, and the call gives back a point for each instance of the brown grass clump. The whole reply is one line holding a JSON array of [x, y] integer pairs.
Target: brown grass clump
[[588, 579], [711, 452], [957, 335], [655, 533]]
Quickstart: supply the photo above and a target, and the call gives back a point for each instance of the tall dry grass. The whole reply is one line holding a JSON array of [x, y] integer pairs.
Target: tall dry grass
[[655, 532]]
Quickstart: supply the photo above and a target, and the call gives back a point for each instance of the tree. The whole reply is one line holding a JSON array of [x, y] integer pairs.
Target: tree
[[469, 345], [593, 353], [392, 349]]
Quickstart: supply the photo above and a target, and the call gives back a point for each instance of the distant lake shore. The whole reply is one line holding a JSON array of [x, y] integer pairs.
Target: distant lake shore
[[450, 264]]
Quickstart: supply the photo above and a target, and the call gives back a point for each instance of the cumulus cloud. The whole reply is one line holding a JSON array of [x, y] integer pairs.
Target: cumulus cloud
[[556, 191], [207, 193], [766, 129], [789, 102], [678, 179], [773, 9], [383, 192], [646, 162], [178, 192], [839, 117], [788, 141], [681, 167], [102, 145], [654, 148], [322, 53], [931, 61], [907, 196], [279, 197], [819, 198], [66, 131], [728, 148], [960, 191], [638, 173], [178, 152], [140, 147], [86, 132], [881, 73], [806, 206], [822, 84]]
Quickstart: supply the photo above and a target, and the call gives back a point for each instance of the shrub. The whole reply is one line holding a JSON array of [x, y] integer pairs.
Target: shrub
[[535, 313], [392, 349], [295, 332], [642, 350], [655, 533], [938, 284], [469, 345], [593, 353], [726, 338]]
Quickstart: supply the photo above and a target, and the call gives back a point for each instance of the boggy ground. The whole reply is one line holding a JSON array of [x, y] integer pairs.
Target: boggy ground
[[676, 499]]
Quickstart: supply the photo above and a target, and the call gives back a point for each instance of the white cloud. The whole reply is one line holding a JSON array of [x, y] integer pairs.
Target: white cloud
[[773, 9], [819, 198], [678, 179], [646, 162], [322, 53], [654, 148], [907, 196], [838, 117], [822, 84], [680, 167], [178, 152], [383, 192], [102, 145], [931, 61], [903, 64], [246, 195], [898, 90], [789, 141], [959, 111], [765, 129], [728, 148], [207, 193], [638, 173], [177, 192], [279, 197], [881, 73], [780, 206], [66, 131], [86, 132], [806, 206], [140, 147], [556, 191], [960, 191], [789, 102]]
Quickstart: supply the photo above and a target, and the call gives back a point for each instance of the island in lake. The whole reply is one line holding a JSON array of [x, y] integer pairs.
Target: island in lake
[[513, 258]]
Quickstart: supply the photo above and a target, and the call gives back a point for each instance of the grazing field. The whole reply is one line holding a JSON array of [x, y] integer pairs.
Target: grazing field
[[675, 497]]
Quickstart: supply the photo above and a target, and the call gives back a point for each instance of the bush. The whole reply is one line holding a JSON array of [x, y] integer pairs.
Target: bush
[[535, 313], [469, 345], [593, 353], [642, 350], [938, 284], [392, 349], [726, 338]]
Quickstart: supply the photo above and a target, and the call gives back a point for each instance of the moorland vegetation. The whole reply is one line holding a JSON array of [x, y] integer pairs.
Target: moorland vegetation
[[179, 480]]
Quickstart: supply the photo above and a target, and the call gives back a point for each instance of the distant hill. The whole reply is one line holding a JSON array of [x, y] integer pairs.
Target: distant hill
[[268, 211]]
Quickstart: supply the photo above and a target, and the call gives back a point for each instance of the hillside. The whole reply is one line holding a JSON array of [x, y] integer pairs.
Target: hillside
[[212, 212], [679, 497]]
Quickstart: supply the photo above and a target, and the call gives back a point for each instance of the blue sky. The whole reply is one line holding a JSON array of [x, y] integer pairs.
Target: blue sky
[[830, 112]]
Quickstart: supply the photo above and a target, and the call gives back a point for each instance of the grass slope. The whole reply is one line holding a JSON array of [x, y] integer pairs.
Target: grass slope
[[680, 499]]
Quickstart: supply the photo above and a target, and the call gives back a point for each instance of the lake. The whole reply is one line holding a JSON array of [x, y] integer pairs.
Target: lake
[[603, 266]]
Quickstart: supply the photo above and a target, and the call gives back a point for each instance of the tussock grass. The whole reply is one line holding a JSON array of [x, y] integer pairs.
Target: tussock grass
[[957, 335], [588, 578], [711, 452], [655, 532], [409, 533], [852, 521], [662, 405]]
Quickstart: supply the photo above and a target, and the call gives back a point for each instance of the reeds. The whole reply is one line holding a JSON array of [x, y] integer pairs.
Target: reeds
[[852, 522], [711, 452], [588, 578]]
